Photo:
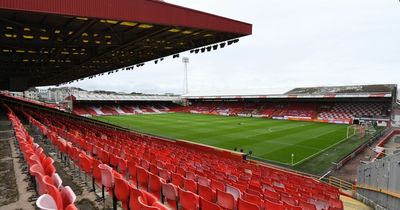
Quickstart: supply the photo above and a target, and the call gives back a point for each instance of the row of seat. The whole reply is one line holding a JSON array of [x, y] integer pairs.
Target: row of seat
[[84, 109], [308, 110], [264, 182], [47, 183]]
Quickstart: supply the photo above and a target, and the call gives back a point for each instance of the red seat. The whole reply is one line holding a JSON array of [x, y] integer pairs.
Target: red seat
[[154, 206], [50, 170], [273, 205], [291, 207], [154, 169], [68, 196], [188, 200], [207, 193], [145, 164], [96, 174], [37, 171], [253, 199], [335, 203], [107, 178], [121, 191], [53, 192], [217, 185], [225, 200], [104, 156], [148, 199], [272, 196], [191, 175], [86, 164], [289, 200], [170, 195], [245, 205], [201, 180], [113, 160], [307, 206], [234, 191], [132, 171], [142, 178], [207, 205], [166, 175], [190, 185], [177, 179], [144, 206], [155, 185]]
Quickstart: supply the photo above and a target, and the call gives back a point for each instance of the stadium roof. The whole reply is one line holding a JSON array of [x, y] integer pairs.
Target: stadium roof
[[353, 91], [49, 42], [113, 97]]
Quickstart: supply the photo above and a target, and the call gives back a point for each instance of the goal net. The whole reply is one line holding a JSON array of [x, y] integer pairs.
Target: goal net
[[355, 130]]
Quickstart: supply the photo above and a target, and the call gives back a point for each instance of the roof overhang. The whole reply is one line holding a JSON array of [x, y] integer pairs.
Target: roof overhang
[[285, 96], [113, 98], [49, 42]]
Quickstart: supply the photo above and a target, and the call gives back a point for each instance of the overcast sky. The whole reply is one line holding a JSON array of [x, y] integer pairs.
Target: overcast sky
[[294, 44]]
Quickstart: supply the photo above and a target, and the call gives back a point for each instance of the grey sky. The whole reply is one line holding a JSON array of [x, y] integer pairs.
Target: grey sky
[[294, 44]]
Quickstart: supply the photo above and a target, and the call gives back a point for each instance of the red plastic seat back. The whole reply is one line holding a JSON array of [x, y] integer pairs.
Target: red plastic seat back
[[273, 205], [166, 175], [190, 185], [86, 164], [144, 206], [177, 179], [133, 198], [68, 196], [207, 205], [155, 185], [207, 193], [253, 199], [170, 193], [201, 180], [217, 185], [50, 170], [107, 177], [225, 200], [53, 191], [307, 206], [245, 205], [188, 200], [142, 177], [121, 190], [96, 171]]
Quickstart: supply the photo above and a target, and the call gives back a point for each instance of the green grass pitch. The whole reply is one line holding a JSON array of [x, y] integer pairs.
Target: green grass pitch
[[273, 140]]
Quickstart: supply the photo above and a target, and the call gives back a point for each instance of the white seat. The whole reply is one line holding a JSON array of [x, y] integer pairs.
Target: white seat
[[46, 202]]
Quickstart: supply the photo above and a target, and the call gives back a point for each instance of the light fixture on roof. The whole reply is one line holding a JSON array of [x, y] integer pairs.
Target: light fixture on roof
[[208, 48], [222, 45], [196, 51], [230, 42], [161, 59], [203, 49], [215, 47], [156, 61], [236, 41], [175, 56], [191, 51]]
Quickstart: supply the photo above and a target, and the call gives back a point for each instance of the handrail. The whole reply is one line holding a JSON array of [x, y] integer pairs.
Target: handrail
[[387, 192]]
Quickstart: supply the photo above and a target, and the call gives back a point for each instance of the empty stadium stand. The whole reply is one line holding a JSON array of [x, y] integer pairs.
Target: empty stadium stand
[[149, 171], [299, 110], [47, 183]]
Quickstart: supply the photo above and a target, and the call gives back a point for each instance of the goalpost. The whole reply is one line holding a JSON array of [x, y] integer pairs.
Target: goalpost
[[354, 130]]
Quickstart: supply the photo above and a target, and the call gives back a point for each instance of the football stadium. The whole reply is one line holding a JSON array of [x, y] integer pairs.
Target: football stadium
[[327, 147]]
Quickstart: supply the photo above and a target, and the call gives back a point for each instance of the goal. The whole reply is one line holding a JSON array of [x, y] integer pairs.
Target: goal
[[355, 130]]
